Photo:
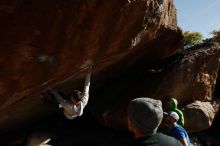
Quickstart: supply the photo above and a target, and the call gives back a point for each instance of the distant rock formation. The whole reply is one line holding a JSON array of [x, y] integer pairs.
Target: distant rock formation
[[194, 75], [189, 77]]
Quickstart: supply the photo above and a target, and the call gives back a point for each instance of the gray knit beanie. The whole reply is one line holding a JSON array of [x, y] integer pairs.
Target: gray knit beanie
[[145, 114]]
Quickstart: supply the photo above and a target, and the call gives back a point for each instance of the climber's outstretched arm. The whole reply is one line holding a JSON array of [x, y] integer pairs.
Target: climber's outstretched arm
[[85, 96], [59, 98]]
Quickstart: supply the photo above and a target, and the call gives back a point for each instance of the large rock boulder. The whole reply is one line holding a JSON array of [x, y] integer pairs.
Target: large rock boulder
[[45, 42], [198, 116], [48, 43], [193, 76]]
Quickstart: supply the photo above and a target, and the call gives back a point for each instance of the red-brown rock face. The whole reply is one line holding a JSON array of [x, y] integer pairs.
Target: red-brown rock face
[[49, 42], [194, 76], [45, 42]]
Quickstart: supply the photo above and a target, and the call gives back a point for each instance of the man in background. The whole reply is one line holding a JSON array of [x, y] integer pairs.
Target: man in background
[[176, 130], [144, 117]]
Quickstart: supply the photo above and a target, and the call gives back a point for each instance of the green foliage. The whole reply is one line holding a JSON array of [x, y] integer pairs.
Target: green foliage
[[191, 39], [216, 35]]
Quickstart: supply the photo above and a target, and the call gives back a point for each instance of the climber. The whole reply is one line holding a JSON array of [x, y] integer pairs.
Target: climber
[[73, 106], [170, 104], [176, 130]]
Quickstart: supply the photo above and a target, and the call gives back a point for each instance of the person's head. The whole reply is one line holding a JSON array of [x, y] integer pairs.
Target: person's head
[[144, 115], [169, 103], [76, 97], [171, 118]]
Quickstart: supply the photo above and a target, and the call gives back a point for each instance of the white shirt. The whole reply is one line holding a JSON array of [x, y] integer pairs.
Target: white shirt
[[71, 110]]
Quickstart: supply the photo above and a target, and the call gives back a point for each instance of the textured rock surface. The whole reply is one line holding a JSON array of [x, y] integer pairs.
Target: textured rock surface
[[51, 43], [194, 75], [45, 42], [199, 116]]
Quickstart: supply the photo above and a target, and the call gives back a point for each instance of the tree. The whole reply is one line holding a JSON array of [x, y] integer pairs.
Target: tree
[[191, 39], [216, 35]]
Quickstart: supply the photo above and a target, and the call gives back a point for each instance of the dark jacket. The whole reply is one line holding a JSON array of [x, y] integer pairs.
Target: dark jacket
[[157, 139]]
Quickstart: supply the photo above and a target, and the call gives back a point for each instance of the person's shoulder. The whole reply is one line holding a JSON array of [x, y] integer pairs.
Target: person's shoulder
[[163, 136], [178, 127], [167, 140], [157, 139]]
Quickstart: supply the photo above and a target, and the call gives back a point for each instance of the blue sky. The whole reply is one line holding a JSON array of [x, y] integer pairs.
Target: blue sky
[[198, 15]]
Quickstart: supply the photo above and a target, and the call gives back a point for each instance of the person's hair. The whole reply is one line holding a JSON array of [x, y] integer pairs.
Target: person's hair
[[76, 94]]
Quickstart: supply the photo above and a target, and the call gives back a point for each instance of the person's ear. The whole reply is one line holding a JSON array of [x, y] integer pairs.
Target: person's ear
[[130, 127]]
